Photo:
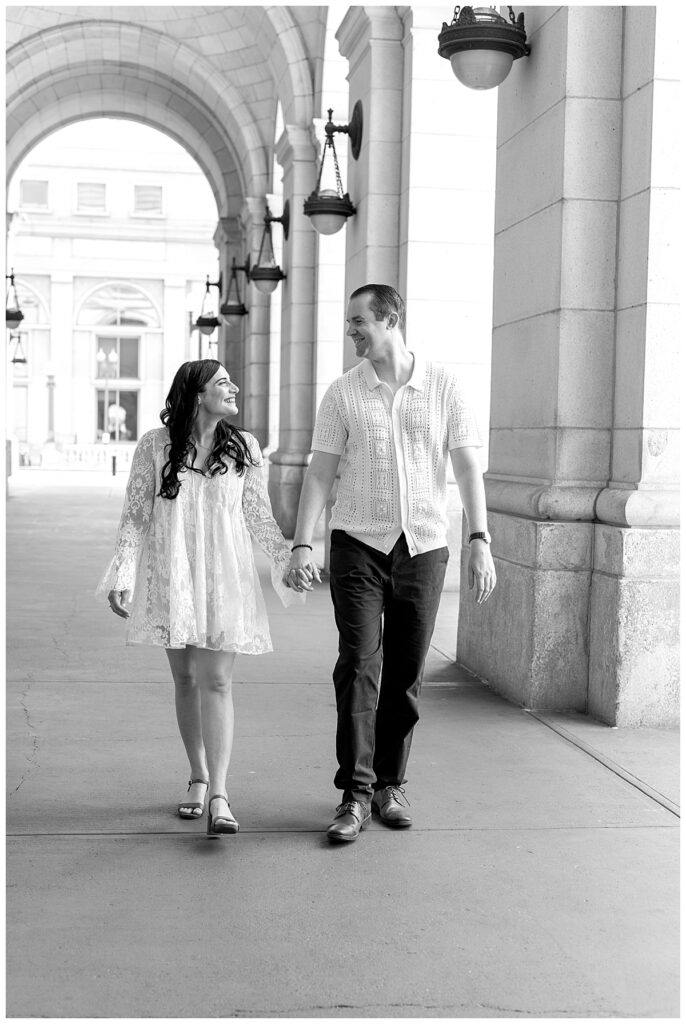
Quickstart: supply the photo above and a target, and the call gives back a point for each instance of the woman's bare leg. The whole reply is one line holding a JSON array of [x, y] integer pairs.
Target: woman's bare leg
[[215, 677], [188, 715]]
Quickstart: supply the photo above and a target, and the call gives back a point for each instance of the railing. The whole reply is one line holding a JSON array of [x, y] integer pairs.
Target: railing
[[77, 456], [97, 455]]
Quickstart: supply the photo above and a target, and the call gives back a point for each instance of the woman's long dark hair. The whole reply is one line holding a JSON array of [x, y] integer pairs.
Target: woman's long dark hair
[[178, 416]]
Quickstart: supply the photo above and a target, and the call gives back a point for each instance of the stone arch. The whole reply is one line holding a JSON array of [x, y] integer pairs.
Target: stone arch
[[108, 68], [281, 44]]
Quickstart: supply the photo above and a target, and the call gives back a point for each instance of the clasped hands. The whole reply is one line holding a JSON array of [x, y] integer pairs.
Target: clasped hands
[[302, 571]]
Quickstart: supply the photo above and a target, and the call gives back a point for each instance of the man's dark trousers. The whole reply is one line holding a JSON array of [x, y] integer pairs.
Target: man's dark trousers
[[385, 607]]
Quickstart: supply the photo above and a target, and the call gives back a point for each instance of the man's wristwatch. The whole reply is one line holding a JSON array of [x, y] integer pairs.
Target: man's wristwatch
[[480, 536]]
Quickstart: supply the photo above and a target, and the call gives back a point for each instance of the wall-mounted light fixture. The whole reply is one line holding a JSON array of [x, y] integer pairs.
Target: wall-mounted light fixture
[[232, 310], [13, 313], [207, 321], [328, 208], [18, 352], [266, 273], [481, 45]]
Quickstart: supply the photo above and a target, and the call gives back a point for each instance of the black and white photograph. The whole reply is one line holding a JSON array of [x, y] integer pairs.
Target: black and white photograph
[[341, 532]]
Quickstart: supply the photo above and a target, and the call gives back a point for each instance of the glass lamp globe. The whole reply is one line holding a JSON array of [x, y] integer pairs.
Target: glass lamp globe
[[206, 324], [231, 314], [329, 222], [266, 285], [481, 69], [13, 317]]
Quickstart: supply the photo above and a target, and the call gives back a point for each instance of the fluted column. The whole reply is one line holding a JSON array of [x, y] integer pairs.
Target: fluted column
[[296, 153]]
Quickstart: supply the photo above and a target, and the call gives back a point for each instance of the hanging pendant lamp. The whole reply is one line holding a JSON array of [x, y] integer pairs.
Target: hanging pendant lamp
[[327, 208]]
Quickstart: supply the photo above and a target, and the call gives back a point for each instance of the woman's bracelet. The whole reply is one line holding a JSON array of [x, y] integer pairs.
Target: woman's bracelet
[[295, 546]]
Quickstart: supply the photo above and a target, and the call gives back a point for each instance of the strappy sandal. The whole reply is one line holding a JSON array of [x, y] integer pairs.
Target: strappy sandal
[[223, 824], [194, 806]]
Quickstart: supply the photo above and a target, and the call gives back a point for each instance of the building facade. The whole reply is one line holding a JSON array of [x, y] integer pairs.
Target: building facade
[[111, 230], [530, 229]]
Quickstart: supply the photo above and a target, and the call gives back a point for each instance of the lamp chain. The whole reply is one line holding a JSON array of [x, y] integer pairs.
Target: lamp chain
[[267, 233], [12, 290], [204, 300], [329, 144]]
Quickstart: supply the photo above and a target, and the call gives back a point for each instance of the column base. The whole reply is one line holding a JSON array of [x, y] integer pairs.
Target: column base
[[634, 634], [585, 618], [529, 641]]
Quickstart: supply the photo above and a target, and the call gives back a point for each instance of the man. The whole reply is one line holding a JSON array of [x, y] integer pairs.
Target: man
[[395, 419]]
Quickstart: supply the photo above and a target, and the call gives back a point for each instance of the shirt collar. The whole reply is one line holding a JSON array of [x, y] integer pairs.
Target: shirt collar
[[416, 381]]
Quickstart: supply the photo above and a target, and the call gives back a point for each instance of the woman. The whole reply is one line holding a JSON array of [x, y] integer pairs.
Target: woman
[[184, 564]]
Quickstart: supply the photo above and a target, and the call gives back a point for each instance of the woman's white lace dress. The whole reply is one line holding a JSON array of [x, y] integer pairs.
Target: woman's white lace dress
[[189, 561]]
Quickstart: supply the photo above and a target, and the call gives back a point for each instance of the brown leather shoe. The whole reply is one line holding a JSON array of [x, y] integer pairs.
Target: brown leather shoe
[[351, 817], [386, 803]]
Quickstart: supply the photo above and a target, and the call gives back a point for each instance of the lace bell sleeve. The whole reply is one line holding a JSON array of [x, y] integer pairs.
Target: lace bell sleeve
[[135, 519], [261, 524]]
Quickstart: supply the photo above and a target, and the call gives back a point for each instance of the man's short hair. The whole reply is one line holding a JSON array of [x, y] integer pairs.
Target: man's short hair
[[383, 300]]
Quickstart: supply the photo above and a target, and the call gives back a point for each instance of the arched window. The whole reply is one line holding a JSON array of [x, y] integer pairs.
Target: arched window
[[117, 313]]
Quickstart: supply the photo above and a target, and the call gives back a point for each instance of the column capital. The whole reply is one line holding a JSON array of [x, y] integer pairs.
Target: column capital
[[421, 18], [228, 231], [296, 143], [252, 211], [361, 25]]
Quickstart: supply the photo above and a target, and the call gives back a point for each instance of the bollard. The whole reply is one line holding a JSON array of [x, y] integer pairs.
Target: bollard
[[114, 465]]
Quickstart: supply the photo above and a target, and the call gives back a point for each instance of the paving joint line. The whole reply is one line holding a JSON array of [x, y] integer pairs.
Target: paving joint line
[[322, 832], [608, 763]]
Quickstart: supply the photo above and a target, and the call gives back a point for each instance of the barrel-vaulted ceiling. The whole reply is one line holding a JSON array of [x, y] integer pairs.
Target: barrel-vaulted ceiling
[[210, 77]]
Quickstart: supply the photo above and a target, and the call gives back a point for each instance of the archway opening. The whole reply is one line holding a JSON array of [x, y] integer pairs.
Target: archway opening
[[111, 230]]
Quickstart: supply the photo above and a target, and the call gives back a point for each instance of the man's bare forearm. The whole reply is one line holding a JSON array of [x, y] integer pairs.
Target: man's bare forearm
[[319, 480], [470, 483]]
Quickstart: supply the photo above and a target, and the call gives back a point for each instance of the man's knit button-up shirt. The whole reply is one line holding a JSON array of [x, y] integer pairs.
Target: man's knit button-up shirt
[[395, 453]]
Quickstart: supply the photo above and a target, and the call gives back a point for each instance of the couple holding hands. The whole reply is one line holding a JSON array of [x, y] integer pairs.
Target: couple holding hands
[[184, 576]]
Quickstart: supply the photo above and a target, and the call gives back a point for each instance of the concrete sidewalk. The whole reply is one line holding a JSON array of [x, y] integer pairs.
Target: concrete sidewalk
[[540, 878]]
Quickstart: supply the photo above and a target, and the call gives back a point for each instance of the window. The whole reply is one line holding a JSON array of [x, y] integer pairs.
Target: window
[[122, 414], [147, 200], [117, 357], [33, 194], [116, 304], [90, 197]]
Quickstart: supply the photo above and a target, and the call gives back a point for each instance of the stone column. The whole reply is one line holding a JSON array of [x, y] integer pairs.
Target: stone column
[[446, 227], [557, 180], [371, 39], [297, 155], [558, 381], [247, 347], [65, 384], [634, 647], [225, 234]]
